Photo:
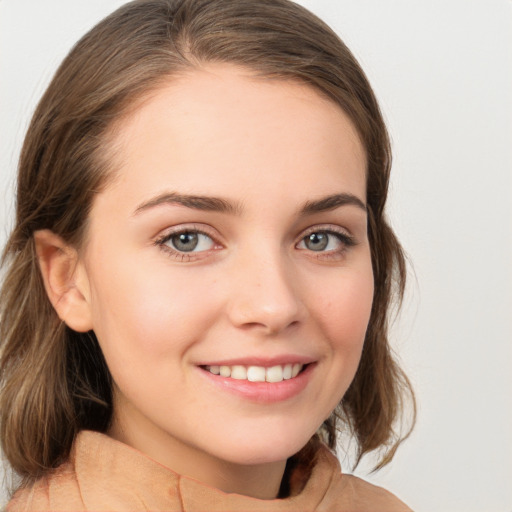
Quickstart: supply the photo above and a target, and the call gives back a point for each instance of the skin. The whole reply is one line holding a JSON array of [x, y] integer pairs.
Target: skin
[[252, 289]]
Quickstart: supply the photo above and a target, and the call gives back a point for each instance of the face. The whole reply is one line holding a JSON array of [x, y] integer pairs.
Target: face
[[227, 268]]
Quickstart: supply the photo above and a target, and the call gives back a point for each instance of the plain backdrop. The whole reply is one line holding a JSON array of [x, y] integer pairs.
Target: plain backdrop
[[442, 70]]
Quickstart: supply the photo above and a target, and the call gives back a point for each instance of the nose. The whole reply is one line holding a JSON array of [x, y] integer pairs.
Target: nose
[[264, 295]]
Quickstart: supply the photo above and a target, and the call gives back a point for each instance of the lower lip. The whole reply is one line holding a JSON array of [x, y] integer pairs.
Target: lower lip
[[262, 392]]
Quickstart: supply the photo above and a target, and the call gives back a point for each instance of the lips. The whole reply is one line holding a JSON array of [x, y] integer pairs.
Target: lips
[[260, 382]]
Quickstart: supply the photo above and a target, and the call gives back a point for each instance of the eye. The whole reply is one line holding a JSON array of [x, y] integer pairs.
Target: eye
[[188, 241], [325, 241]]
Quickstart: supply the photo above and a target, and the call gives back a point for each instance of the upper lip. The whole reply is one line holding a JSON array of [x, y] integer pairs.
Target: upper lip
[[264, 361]]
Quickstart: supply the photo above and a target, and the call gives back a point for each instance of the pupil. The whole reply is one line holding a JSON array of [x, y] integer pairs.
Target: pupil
[[317, 241], [185, 241]]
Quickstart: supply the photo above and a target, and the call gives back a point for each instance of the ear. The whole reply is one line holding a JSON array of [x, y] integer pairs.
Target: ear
[[65, 280]]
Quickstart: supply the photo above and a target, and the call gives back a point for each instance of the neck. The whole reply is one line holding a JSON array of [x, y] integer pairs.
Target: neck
[[261, 481]]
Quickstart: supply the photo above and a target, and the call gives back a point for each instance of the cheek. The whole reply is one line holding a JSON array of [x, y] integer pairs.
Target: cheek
[[149, 309], [344, 310], [340, 304]]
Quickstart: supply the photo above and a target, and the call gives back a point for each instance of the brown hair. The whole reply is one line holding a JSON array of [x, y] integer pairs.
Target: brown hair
[[54, 381]]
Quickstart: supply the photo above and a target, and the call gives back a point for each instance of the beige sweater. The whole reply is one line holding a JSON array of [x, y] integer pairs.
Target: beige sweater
[[104, 474]]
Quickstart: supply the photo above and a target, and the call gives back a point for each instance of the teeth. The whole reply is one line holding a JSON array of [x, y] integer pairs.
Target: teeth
[[225, 371], [256, 374], [239, 373], [276, 373], [287, 371]]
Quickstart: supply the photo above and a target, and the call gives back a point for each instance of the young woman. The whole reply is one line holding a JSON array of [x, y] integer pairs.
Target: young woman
[[197, 286]]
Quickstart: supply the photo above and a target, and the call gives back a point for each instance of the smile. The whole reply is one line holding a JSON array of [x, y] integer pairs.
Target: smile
[[272, 374], [261, 382]]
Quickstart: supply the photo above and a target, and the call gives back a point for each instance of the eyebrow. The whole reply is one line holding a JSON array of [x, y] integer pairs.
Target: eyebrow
[[332, 202], [217, 204], [204, 203]]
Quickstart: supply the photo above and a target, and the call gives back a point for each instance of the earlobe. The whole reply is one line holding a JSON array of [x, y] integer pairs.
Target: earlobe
[[64, 280]]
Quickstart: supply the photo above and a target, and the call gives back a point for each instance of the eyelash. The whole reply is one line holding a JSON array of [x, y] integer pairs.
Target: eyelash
[[347, 241], [343, 237], [183, 256]]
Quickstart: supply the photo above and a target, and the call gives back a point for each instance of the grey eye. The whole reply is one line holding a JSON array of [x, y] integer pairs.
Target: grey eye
[[190, 241], [325, 241], [185, 242], [317, 241]]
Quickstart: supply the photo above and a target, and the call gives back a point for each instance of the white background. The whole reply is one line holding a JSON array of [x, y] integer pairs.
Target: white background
[[442, 70]]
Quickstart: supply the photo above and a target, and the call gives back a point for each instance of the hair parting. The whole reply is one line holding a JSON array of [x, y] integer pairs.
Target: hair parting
[[54, 381]]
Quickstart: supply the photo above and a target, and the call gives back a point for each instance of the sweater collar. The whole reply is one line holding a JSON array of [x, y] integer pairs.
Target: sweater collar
[[102, 461]]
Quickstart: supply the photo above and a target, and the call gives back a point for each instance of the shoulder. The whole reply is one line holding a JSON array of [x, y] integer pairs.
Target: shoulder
[[56, 491], [348, 492], [367, 497], [101, 474]]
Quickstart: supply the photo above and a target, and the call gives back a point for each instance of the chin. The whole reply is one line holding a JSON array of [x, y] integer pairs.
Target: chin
[[265, 451]]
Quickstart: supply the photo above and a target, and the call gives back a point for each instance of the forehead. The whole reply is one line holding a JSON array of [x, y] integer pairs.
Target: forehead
[[206, 128]]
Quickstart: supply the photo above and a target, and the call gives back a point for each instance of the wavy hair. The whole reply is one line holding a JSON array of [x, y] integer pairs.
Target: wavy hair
[[54, 381]]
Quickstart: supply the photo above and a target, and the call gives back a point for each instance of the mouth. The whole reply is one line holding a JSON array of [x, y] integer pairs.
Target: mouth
[[271, 374], [259, 381], [260, 384]]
